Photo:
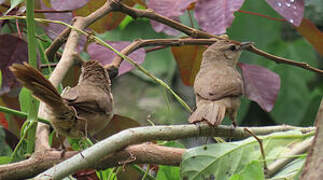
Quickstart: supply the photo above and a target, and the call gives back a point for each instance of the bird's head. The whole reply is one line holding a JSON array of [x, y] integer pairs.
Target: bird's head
[[224, 51]]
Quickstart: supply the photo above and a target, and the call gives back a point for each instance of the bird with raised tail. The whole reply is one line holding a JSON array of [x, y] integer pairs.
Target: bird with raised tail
[[218, 84], [79, 111]]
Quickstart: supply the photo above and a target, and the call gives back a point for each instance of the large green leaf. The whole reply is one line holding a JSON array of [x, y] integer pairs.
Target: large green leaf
[[168, 172], [291, 170], [253, 170], [222, 160]]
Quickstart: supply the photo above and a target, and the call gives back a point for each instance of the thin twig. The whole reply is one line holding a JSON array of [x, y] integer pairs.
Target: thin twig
[[278, 59], [158, 42], [261, 147]]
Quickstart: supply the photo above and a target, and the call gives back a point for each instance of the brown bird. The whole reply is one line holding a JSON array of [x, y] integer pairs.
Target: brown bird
[[84, 109], [218, 85]]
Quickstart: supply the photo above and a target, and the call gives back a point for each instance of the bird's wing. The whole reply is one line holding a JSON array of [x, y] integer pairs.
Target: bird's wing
[[216, 83], [89, 99]]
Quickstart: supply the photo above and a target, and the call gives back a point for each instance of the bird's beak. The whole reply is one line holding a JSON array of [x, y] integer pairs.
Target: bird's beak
[[246, 45]]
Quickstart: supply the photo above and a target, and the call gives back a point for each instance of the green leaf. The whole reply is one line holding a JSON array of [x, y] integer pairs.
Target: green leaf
[[291, 170], [253, 170], [4, 148], [24, 100], [5, 159], [13, 4], [222, 160], [168, 172]]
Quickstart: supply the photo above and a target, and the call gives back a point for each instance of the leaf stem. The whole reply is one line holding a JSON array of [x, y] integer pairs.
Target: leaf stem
[[21, 114]]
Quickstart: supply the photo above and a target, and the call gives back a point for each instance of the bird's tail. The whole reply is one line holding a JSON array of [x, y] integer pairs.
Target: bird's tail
[[40, 87], [212, 112]]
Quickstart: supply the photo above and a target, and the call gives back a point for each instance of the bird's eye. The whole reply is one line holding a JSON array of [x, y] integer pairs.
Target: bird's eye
[[233, 48]]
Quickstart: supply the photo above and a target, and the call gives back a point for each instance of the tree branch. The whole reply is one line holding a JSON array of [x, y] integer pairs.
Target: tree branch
[[148, 13], [158, 42], [89, 157], [313, 167], [278, 59], [142, 153]]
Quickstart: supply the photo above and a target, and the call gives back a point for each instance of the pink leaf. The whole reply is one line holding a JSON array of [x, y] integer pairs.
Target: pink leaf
[[169, 8], [292, 10], [261, 85], [105, 55], [215, 16], [61, 5]]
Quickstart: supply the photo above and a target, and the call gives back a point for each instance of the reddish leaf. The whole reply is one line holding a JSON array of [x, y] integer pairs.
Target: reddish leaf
[[108, 22], [188, 59], [215, 16], [310, 32], [12, 50], [61, 5], [86, 174], [3, 121], [169, 8], [261, 85], [105, 55], [292, 10]]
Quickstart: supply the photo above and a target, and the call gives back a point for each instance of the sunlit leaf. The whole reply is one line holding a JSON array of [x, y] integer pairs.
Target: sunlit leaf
[[312, 34], [292, 10], [261, 85], [188, 59]]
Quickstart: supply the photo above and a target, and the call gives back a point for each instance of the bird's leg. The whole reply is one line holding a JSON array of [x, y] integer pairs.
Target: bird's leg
[[233, 117]]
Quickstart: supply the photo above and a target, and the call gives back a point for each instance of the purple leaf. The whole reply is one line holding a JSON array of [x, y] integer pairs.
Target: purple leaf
[[215, 16], [292, 10], [105, 55], [54, 29], [12, 50], [261, 85], [169, 8], [61, 5]]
